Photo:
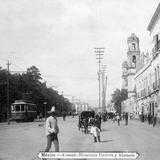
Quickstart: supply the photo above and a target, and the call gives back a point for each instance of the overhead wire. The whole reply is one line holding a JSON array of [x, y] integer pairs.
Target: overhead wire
[[22, 70]]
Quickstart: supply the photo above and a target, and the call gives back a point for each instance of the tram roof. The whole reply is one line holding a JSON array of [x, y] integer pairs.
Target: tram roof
[[22, 101]]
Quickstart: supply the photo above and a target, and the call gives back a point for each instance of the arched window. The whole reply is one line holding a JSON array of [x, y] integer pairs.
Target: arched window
[[134, 59], [134, 46]]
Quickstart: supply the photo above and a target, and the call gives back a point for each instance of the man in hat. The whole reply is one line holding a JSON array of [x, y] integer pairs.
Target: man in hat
[[52, 131]]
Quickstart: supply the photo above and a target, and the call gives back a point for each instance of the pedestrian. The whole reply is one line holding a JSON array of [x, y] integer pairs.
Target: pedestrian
[[90, 121], [40, 117], [126, 118], [86, 125], [118, 119], [142, 117], [79, 123], [149, 118], [98, 121], [95, 131], [64, 115], [154, 120], [72, 114], [52, 131]]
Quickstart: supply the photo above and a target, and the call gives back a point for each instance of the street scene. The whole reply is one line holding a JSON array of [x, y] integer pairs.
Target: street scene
[[79, 79], [31, 139]]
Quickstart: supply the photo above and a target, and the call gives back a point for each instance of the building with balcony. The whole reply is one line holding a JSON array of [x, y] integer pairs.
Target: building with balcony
[[147, 78]]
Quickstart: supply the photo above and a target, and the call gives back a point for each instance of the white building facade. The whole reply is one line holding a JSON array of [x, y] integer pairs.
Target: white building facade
[[146, 81], [148, 75], [79, 107]]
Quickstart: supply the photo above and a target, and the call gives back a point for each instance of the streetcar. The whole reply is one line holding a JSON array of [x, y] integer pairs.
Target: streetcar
[[23, 111]]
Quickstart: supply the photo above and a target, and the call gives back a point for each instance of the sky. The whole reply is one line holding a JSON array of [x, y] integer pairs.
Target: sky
[[59, 37]]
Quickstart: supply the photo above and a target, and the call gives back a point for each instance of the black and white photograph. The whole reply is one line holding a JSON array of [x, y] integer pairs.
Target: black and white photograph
[[79, 79]]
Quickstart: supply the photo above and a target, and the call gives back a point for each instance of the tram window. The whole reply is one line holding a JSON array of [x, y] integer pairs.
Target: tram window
[[25, 107], [12, 108], [31, 107], [22, 107], [17, 107]]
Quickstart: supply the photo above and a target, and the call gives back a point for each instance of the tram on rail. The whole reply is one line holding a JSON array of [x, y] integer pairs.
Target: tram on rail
[[23, 111]]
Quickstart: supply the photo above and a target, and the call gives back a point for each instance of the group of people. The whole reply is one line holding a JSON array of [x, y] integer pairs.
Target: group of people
[[52, 129], [119, 117], [152, 119], [94, 123]]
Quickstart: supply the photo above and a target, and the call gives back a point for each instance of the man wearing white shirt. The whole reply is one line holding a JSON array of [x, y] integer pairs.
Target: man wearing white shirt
[[52, 131]]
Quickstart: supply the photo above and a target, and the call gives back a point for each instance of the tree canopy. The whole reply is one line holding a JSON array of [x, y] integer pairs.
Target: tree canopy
[[29, 86], [117, 97]]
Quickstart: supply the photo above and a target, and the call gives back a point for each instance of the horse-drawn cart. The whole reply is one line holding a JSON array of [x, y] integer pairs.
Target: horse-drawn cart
[[85, 120]]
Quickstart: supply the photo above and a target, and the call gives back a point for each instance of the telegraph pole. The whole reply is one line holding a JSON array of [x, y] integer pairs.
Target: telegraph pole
[[62, 104], [99, 53], [8, 107], [103, 87]]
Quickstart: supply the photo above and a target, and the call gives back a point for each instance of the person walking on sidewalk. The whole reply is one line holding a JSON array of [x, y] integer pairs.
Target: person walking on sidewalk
[[86, 125], [98, 121], [52, 131], [95, 131], [126, 118], [64, 115], [118, 119], [154, 120]]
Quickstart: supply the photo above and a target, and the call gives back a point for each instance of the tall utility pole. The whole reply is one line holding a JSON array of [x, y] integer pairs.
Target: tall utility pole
[[103, 87], [8, 107], [62, 109], [99, 53]]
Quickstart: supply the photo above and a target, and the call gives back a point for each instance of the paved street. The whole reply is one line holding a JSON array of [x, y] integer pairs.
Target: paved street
[[24, 140]]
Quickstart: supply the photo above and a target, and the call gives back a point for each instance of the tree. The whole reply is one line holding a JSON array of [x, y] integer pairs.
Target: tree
[[29, 86], [34, 73], [117, 97], [3, 94]]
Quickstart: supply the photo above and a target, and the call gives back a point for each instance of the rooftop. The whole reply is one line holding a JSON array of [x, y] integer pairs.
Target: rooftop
[[154, 18]]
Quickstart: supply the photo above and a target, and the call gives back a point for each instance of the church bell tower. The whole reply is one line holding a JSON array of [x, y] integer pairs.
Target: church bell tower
[[133, 51], [133, 55]]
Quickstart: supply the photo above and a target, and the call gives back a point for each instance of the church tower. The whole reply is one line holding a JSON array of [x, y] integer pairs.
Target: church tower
[[129, 69], [133, 51], [133, 55]]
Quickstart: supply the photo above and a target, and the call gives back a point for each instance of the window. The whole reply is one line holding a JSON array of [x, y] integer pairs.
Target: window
[[134, 46], [17, 107], [31, 108], [22, 107], [12, 108], [134, 59]]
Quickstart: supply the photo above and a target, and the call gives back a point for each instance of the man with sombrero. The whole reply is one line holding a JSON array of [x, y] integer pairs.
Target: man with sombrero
[[52, 131]]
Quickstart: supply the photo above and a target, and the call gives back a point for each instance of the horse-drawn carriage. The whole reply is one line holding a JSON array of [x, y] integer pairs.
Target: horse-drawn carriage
[[85, 120]]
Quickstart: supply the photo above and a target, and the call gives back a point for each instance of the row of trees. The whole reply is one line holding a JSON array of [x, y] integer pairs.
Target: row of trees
[[117, 97], [29, 86]]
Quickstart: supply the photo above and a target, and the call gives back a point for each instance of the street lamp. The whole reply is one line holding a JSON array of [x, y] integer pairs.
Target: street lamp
[[45, 106]]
